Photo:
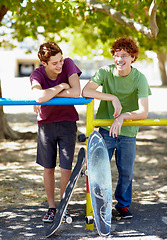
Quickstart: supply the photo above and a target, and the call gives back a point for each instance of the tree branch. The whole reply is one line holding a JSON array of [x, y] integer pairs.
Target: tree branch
[[131, 23], [152, 19], [3, 11]]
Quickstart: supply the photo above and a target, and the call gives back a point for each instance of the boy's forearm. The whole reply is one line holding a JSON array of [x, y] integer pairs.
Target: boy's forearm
[[98, 95], [44, 95], [136, 115], [71, 92], [139, 114]]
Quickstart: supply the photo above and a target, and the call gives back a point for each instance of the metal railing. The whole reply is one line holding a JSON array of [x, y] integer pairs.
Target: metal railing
[[91, 123]]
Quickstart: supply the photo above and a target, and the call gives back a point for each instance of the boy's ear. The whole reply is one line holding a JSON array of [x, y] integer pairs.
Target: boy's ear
[[133, 58], [43, 63]]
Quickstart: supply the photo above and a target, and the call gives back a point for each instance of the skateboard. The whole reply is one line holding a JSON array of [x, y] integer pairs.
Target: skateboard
[[67, 194], [100, 184]]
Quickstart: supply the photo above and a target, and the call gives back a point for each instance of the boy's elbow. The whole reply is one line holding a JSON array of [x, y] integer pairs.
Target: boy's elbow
[[76, 96], [84, 93], [77, 93], [40, 100], [145, 115]]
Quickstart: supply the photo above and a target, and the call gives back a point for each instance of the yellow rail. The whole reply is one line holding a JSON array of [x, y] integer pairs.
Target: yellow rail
[[144, 122], [89, 129]]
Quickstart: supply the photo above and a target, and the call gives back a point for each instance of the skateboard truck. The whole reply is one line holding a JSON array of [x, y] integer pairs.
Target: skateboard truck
[[82, 137], [84, 173], [89, 220], [67, 219]]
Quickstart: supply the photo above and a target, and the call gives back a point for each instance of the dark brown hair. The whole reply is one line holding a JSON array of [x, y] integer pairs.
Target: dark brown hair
[[47, 50], [127, 44]]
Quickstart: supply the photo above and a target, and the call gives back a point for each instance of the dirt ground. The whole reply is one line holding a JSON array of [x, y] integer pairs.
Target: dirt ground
[[22, 179]]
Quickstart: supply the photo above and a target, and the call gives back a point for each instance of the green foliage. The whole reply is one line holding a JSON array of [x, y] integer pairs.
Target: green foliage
[[88, 30]]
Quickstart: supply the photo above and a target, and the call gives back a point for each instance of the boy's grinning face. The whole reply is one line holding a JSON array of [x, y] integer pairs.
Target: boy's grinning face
[[54, 65], [123, 61]]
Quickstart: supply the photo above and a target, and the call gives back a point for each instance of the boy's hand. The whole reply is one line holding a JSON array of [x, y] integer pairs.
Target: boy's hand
[[116, 126], [117, 107], [37, 108]]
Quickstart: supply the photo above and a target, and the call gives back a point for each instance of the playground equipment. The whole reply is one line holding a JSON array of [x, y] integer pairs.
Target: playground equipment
[[53, 101], [91, 123]]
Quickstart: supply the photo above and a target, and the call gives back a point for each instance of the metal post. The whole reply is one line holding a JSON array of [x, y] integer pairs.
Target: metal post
[[89, 129]]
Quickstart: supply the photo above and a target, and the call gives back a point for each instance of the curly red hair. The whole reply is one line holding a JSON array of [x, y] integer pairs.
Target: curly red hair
[[127, 44]]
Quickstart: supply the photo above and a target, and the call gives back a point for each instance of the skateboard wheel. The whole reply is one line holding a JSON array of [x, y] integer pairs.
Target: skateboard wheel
[[86, 172], [69, 220], [82, 173], [89, 220], [117, 218], [81, 138]]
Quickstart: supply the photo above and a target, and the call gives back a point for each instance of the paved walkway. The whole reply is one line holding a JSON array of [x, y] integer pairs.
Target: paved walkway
[[149, 223]]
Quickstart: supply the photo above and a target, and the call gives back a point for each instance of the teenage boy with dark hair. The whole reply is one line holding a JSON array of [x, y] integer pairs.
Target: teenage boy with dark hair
[[57, 77], [124, 96]]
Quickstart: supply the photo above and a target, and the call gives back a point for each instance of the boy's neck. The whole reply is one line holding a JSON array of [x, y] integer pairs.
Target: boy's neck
[[125, 72], [52, 76]]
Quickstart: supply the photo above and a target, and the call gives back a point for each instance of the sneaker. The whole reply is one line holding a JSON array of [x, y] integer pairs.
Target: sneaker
[[124, 212], [49, 216], [67, 217]]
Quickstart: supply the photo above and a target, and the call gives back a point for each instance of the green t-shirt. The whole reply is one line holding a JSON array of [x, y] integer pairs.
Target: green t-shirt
[[128, 89]]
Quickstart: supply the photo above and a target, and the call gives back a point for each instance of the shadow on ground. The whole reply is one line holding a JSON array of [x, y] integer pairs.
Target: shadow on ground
[[23, 200], [148, 223]]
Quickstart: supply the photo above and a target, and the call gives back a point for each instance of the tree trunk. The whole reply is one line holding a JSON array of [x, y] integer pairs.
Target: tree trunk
[[3, 11], [161, 63], [5, 130]]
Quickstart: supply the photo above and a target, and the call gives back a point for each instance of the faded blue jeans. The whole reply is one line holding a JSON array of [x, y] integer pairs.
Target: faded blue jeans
[[125, 152]]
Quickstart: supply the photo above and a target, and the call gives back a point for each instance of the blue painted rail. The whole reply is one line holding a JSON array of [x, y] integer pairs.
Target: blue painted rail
[[53, 101]]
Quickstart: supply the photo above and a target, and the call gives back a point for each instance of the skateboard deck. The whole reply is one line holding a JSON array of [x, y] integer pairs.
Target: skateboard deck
[[100, 184], [67, 194]]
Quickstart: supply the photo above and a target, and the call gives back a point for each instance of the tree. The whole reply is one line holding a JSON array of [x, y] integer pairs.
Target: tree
[[149, 13], [82, 16], [124, 20], [117, 18]]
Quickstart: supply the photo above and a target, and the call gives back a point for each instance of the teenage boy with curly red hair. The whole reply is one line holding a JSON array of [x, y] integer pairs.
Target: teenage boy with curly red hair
[[124, 96]]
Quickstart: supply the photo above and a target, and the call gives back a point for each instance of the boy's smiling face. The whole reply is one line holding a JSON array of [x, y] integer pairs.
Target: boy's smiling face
[[123, 61], [54, 66]]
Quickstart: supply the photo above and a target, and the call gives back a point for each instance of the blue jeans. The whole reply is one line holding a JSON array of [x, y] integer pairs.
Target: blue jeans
[[125, 152]]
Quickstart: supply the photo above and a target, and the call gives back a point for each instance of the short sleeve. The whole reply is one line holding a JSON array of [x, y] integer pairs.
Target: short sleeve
[[143, 87], [37, 76], [99, 76], [70, 67]]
